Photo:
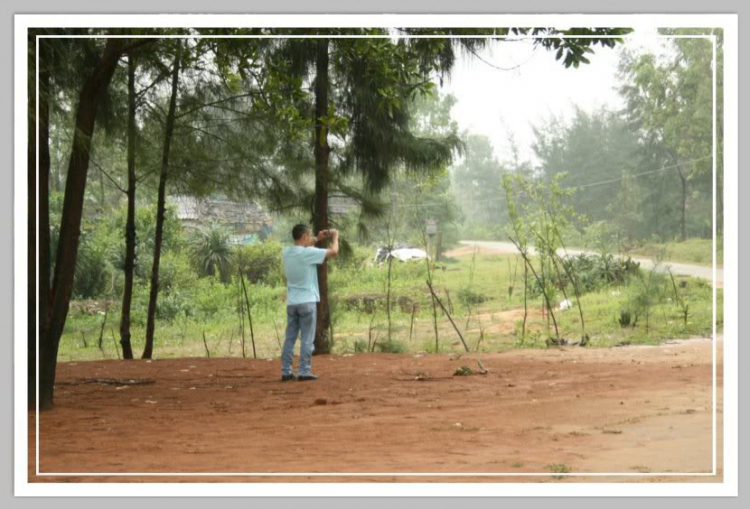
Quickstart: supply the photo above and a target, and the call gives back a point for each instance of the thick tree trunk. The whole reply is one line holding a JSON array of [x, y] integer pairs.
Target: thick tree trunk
[[320, 217], [127, 294], [160, 208], [70, 225]]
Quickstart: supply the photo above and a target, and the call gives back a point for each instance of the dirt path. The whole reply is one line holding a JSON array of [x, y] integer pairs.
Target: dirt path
[[685, 269], [630, 410]]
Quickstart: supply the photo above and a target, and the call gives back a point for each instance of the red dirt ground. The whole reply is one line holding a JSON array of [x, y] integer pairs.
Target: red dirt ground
[[626, 410]]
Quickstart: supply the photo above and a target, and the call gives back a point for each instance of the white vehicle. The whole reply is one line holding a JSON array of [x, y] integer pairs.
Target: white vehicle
[[402, 254]]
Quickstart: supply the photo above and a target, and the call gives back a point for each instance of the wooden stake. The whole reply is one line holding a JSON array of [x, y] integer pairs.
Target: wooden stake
[[249, 315], [205, 344], [114, 340], [437, 299]]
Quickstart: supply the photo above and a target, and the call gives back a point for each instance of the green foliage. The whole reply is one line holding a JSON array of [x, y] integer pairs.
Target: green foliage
[[697, 251], [210, 250], [478, 188], [392, 346], [260, 262], [647, 291], [598, 271], [470, 297], [94, 272], [112, 227], [204, 303], [593, 147], [625, 318], [669, 99], [360, 346]]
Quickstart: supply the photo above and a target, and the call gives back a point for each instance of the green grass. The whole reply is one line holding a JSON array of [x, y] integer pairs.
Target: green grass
[[558, 468], [697, 251], [215, 313]]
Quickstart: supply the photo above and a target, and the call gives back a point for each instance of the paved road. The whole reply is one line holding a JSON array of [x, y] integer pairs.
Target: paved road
[[684, 269]]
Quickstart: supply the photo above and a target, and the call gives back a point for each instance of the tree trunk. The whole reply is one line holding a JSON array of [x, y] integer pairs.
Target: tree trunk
[[70, 225], [127, 295], [683, 205], [101, 193], [160, 209], [683, 201], [320, 216], [388, 294]]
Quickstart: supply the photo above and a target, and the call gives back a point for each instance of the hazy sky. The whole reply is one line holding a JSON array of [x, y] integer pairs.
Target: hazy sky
[[493, 102]]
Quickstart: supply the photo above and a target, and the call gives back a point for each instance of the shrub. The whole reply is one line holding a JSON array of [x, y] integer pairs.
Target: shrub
[[210, 250], [169, 306], [596, 271], [211, 297], [260, 262], [470, 297], [93, 271], [392, 346], [624, 319], [360, 346]]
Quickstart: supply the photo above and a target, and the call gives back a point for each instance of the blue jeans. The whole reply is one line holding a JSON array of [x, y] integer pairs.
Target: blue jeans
[[300, 319]]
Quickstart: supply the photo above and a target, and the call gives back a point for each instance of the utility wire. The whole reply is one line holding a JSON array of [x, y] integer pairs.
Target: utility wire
[[594, 184]]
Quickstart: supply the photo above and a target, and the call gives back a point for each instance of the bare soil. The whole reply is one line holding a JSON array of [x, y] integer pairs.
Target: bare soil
[[636, 410]]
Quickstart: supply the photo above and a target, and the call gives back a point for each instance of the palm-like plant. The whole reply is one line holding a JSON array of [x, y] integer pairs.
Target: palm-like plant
[[210, 249]]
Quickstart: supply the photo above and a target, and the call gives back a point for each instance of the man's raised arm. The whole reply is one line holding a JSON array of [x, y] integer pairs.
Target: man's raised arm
[[334, 249]]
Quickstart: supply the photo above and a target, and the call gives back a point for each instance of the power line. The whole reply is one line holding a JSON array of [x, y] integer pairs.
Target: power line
[[604, 182], [640, 174]]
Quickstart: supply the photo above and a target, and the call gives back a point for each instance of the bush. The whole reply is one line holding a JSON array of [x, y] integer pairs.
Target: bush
[[469, 297], [210, 251], [260, 262], [392, 346], [93, 271], [360, 346], [596, 271], [354, 257], [211, 297]]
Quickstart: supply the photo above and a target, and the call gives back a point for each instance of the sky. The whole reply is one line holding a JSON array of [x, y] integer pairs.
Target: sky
[[496, 102]]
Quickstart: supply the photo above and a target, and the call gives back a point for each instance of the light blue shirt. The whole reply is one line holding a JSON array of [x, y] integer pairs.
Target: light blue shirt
[[300, 267]]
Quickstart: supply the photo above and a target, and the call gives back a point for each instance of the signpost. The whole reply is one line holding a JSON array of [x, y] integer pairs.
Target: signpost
[[431, 228]]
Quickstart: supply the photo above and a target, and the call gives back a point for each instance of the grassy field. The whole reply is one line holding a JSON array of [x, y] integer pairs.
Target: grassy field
[[360, 318], [696, 251]]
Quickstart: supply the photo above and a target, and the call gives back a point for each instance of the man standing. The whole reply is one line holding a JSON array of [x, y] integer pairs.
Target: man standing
[[300, 266]]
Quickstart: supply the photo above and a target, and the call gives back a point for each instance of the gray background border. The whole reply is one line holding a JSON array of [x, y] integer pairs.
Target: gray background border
[[327, 6]]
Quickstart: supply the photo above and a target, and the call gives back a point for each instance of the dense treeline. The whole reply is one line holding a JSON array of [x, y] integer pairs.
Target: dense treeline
[[641, 173]]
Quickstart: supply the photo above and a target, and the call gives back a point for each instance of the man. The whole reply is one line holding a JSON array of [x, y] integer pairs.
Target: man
[[300, 266]]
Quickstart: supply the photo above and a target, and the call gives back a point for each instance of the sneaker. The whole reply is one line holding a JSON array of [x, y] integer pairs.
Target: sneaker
[[302, 378], [286, 378]]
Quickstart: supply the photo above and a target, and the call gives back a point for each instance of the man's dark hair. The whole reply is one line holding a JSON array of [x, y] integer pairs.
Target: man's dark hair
[[299, 230]]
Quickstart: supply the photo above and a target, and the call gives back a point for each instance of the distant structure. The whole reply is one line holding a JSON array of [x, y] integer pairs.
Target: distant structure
[[247, 222]]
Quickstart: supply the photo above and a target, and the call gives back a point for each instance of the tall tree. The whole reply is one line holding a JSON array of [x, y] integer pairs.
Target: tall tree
[[94, 87], [130, 239], [322, 152], [669, 98], [593, 147], [161, 204], [478, 185]]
